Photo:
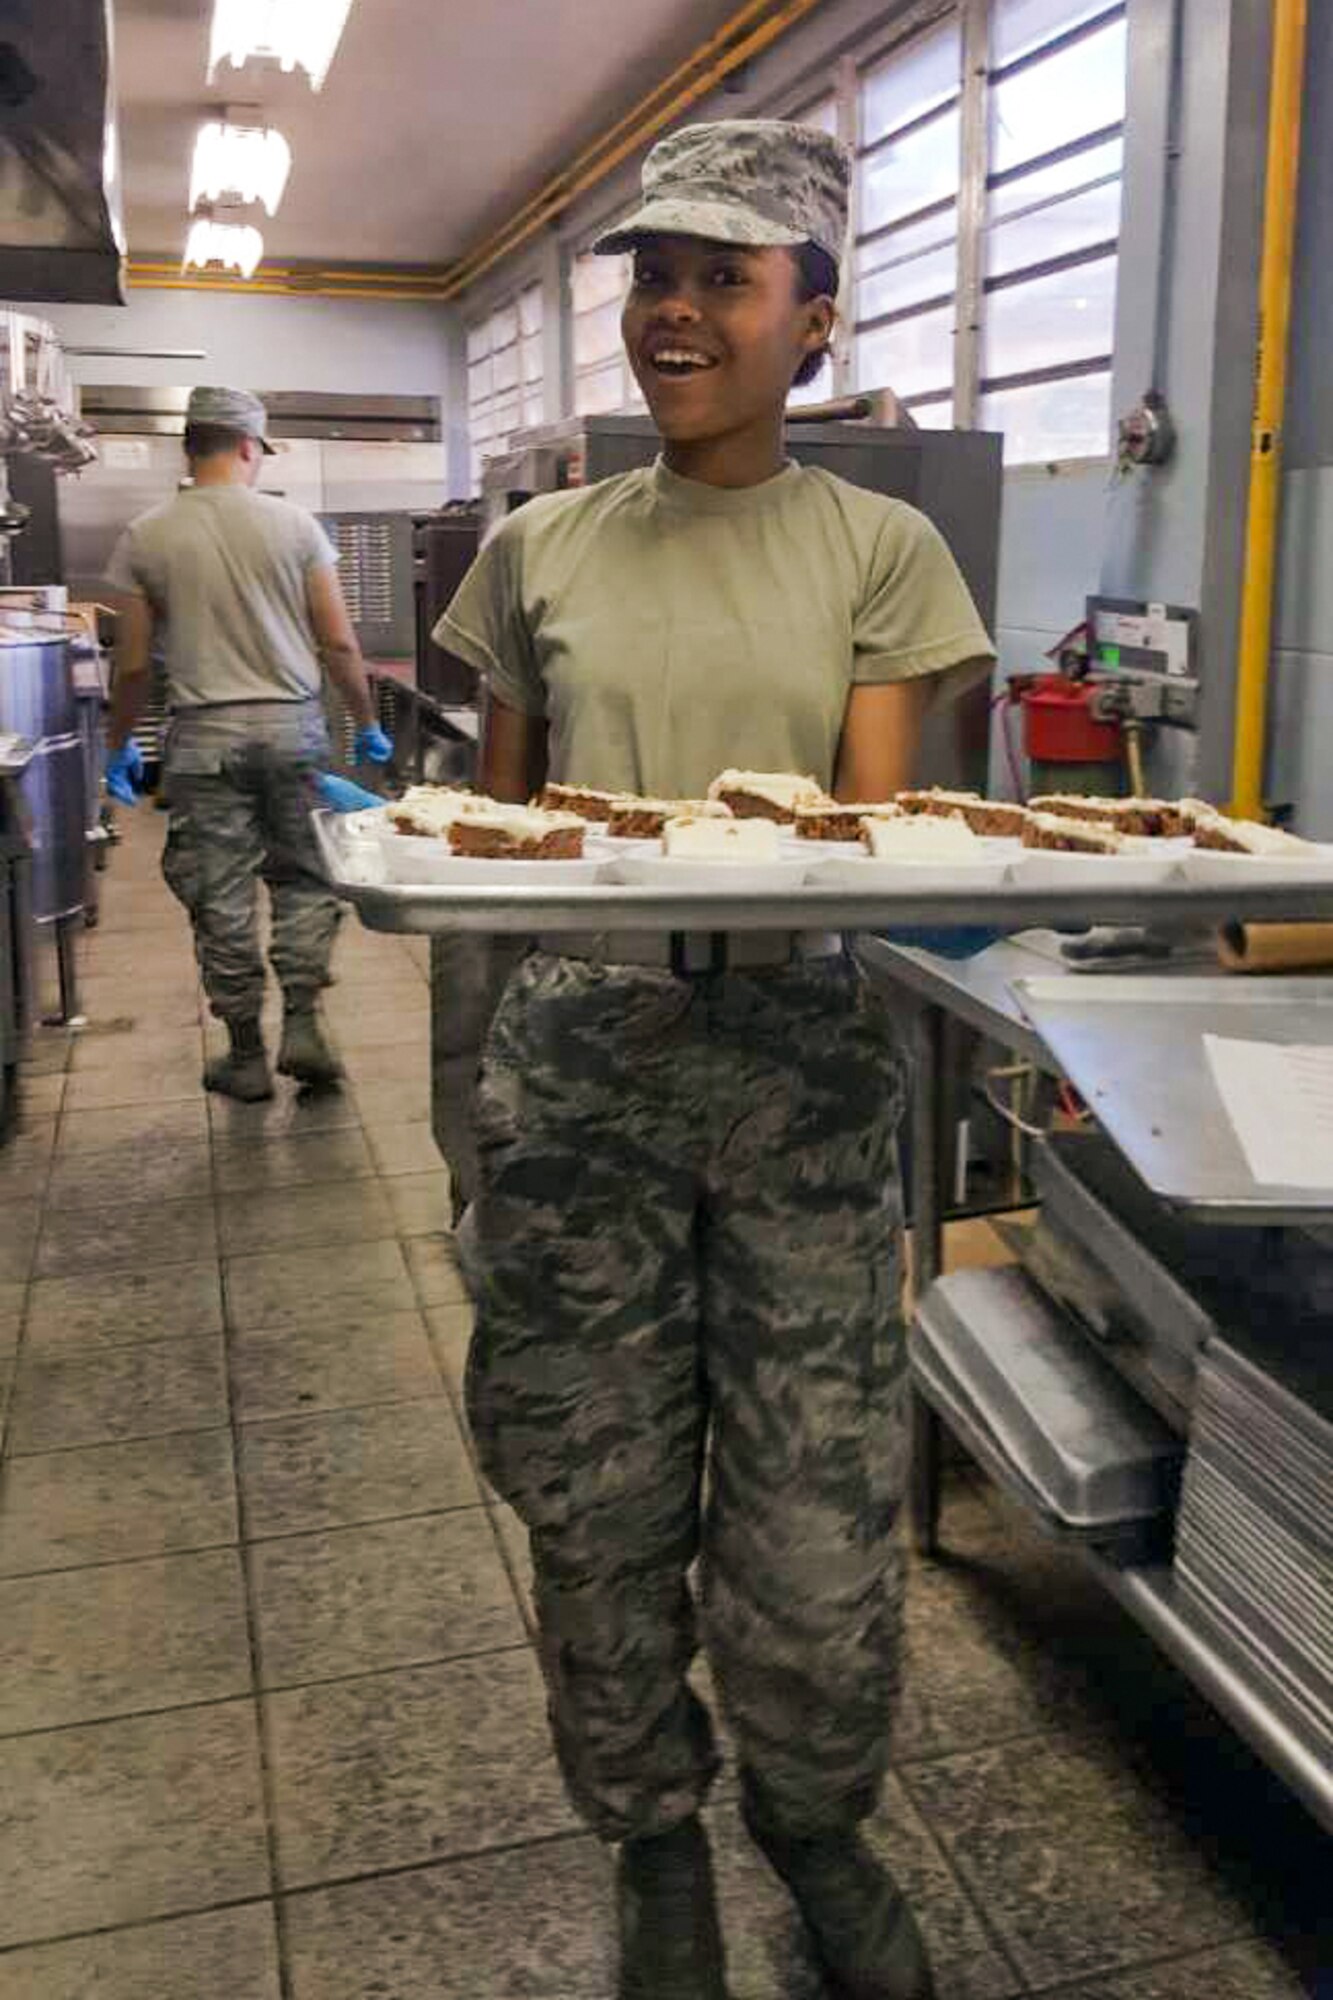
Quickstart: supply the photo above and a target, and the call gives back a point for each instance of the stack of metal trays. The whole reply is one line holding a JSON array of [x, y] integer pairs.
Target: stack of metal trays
[[1138, 1276], [1254, 1549], [1027, 1392]]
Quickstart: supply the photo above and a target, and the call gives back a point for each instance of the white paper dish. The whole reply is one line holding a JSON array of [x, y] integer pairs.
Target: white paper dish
[[619, 844], [1048, 868], [411, 860], [1210, 865], [864, 872], [363, 860], [813, 852], [695, 878], [371, 823]]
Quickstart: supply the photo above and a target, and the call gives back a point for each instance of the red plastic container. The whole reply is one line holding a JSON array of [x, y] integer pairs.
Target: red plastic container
[[1059, 727]]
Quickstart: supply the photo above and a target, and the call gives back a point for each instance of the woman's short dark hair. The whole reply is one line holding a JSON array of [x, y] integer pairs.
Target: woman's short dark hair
[[816, 278], [210, 440]]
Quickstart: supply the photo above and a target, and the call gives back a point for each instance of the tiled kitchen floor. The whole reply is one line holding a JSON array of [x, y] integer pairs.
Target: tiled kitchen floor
[[270, 1724]]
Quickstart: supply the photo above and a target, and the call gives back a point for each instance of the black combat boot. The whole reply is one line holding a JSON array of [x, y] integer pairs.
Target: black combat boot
[[670, 1938], [303, 1052], [243, 1071], [864, 1935]]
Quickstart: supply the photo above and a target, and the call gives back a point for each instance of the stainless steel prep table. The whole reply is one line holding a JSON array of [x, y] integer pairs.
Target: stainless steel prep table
[[988, 992], [979, 990]]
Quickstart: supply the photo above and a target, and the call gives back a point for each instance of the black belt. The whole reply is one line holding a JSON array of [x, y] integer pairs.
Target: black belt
[[688, 954]]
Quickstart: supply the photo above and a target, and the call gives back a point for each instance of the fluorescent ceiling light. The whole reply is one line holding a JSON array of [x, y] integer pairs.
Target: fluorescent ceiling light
[[302, 33], [247, 162], [233, 245]]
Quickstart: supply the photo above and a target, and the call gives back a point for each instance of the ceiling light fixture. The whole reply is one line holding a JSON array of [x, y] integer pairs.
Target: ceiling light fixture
[[294, 33], [246, 162], [230, 246]]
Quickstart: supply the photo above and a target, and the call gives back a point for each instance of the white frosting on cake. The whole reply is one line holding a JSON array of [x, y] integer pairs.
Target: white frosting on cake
[[1269, 841], [780, 788], [920, 837], [526, 822], [432, 809], [674, 808], [880, 809], [939, 797], [708, 839], [1099, 836]]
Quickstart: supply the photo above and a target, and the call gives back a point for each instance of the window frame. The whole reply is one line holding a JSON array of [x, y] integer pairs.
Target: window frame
[[947, 208], [528, 389], [630, 402], [969, 209], [1106, 249]]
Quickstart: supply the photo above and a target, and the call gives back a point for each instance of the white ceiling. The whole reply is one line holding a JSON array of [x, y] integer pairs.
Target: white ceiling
[[437, 118]]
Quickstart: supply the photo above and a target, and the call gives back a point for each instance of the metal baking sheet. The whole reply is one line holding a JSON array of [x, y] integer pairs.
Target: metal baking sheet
[[488, 907], [1077, 1436], [1133, 1049], [1256, 1649], [1211, 1651], [1084, 1181]]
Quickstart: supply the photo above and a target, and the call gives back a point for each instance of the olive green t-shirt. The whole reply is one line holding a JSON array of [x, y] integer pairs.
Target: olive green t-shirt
[[226, 570], [668, 629]]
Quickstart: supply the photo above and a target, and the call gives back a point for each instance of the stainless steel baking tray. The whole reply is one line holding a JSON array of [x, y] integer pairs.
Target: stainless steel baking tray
[[1133, 1049], [1072, 1430], [597, 906], [1145, 1251]]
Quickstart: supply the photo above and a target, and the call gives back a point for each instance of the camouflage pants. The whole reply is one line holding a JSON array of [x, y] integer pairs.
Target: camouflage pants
[[688, 1261], [227, 830], [468, 973]]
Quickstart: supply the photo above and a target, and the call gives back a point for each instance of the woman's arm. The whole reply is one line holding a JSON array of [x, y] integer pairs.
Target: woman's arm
[[513, 752], [881, 739]]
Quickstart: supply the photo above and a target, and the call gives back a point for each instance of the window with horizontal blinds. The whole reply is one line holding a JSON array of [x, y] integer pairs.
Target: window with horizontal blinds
[[908, 170], [603, 379], [505, 390], [1054, 156], [1056, 109], [822, 112]]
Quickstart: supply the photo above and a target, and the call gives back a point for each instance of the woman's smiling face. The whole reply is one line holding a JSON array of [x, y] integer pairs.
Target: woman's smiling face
[[715, 333]]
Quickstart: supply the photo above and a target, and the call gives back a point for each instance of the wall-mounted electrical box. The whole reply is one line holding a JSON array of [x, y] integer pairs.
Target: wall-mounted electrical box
[[1146, 652]]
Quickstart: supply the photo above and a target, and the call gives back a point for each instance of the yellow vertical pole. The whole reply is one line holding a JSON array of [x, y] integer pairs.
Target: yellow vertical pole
[[1270, 395]]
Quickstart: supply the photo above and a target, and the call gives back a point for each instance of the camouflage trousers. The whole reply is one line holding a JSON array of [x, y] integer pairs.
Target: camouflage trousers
[[468, 974], [689, 1344], [227, 830]]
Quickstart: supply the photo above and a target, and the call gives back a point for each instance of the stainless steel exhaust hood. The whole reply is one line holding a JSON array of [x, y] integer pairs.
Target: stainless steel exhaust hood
[[61, 236]]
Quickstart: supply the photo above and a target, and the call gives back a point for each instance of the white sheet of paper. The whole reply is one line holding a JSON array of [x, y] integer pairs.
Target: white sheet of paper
[[1280, 1102]]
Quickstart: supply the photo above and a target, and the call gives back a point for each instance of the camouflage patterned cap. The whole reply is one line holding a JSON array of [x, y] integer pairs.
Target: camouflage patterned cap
[[231, 410], [757, 181]]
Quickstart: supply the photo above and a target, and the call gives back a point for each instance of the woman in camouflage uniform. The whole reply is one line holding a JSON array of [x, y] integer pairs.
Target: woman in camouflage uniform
[[687, 1228]]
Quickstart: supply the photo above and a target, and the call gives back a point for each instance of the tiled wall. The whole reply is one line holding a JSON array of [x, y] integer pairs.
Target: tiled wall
[[1300, 769], [1050, 552], [1050, 555]]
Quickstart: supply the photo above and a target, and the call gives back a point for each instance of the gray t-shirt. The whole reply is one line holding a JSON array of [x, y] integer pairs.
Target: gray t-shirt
[[225, 570]]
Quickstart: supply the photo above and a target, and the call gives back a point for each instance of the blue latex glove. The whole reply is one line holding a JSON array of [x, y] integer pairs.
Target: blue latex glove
[[372, 745], [343, 795], [964, 942], [124, 772]]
